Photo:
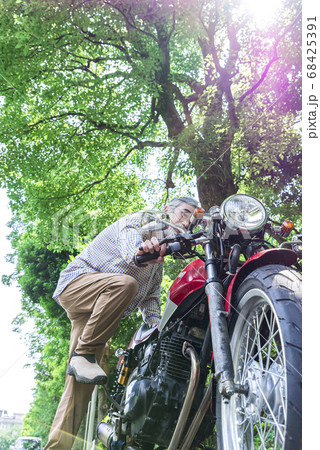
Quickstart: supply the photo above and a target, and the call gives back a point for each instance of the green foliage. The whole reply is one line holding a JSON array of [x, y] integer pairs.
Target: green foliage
[[49, 346], [89, 89], [49, 389], [37, 272], [9, 436]]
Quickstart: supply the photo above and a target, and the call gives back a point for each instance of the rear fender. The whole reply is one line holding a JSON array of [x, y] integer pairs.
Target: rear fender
[[281, 256]]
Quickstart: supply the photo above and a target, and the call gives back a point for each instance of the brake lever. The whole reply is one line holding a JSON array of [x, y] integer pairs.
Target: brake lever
[[185, 237], [165, 240]]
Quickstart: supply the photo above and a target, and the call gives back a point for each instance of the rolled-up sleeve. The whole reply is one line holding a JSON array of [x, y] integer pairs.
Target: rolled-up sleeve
[[129, 239]]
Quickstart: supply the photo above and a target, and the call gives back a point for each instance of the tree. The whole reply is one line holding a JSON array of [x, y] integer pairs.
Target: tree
[[9, 436], [106, 82], [37, 273]]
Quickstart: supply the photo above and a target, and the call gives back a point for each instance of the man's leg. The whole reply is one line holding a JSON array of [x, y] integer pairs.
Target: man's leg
[[115, 292], [95, 304], [72, 406]]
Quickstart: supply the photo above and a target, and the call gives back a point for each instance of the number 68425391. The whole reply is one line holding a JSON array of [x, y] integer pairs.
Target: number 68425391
[[311, 47]]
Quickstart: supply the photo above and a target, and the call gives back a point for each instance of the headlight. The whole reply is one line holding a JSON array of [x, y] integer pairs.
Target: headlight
[[243, 211]]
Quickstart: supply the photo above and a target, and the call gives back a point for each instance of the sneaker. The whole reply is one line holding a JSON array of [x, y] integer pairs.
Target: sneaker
[[85, 369]]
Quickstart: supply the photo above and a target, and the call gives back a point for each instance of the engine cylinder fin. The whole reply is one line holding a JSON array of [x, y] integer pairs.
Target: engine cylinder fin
[[172, 360]]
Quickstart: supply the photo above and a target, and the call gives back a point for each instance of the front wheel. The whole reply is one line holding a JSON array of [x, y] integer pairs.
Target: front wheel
[[265, 339]]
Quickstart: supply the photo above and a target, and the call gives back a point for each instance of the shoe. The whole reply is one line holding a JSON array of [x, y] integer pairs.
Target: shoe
[[85, 369]]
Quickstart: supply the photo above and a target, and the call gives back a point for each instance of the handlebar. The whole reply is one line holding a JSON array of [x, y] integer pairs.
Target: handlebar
[[171, 248]]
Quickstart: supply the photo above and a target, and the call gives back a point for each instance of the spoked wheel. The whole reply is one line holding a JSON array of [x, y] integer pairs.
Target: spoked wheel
[[266, 348]]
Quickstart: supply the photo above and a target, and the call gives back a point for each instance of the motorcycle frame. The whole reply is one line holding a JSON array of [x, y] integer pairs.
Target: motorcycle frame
[[220, 298], [220, 301], [202, 281], [220, 310]]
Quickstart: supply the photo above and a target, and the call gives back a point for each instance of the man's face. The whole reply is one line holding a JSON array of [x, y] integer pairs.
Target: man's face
[[182, 214]]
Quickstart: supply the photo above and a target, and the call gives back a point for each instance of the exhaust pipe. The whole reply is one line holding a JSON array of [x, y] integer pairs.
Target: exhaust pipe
[[105, 435], [190, 353], [198, 418]]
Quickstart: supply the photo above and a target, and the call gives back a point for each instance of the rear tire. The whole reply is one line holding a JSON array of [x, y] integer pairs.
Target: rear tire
[[265, 339]]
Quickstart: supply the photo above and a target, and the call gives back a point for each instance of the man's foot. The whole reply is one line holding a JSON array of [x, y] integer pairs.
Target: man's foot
[[85, 369]]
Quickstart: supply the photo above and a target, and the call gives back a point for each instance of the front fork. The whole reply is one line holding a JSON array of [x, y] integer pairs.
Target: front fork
[[223, 364]]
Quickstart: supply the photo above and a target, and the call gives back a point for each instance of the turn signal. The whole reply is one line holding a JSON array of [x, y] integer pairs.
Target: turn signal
[[198, 213], [286, 228]]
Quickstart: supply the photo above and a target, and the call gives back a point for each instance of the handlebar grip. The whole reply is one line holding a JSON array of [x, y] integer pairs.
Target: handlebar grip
[[140, 259], [171, 248]]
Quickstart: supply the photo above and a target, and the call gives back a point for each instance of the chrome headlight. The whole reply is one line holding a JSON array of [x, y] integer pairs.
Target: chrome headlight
[[244, 212]]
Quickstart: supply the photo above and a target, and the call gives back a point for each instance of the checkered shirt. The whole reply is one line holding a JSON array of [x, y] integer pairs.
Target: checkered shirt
[[112, 251]]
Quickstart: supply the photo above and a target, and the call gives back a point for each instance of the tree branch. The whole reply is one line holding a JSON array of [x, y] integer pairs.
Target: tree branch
[[57, 116], [129, 23], [173, 162], [262, 78], [273, 59], [99, 126], [140, 145], [194, 84], [184, 101], [173, 24]]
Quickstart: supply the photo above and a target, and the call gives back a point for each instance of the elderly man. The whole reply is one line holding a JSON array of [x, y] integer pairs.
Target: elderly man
[[97, 289]]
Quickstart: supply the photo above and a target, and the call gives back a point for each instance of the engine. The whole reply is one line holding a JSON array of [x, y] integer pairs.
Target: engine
[[156, 389], [152, 404]]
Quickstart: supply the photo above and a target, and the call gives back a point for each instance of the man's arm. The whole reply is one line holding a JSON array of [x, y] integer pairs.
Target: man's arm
[[150, 307], [151, 246], [151, 312], [130, 240]]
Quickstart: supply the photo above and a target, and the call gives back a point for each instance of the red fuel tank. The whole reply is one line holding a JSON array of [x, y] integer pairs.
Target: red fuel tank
[[189, 280]]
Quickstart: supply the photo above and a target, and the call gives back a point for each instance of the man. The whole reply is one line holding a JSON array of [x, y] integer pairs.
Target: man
[[97, 289]]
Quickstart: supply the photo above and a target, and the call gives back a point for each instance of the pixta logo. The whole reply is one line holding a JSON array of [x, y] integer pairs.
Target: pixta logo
[[68, 222]]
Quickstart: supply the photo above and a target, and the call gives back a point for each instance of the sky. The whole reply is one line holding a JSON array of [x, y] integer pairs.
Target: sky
[[16, 381]]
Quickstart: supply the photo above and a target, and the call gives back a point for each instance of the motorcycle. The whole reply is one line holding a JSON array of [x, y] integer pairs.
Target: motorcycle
[[226, 355]]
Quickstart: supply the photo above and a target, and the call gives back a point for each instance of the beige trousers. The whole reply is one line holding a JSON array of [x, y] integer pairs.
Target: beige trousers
[[95, 304]]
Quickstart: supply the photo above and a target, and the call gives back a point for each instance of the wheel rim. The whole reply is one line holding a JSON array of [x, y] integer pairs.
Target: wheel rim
[[257, 420]]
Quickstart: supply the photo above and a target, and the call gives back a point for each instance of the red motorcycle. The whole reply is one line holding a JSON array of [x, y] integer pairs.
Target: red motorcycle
[[225, 359]]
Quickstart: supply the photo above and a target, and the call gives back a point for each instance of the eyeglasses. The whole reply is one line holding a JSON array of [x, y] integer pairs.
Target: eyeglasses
[[186, 214]]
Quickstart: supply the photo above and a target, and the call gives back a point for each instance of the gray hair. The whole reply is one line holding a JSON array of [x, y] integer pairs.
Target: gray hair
[[176, 202]]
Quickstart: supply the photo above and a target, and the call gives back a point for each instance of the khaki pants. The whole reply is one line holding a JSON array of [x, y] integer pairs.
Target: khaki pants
[[95, 303]]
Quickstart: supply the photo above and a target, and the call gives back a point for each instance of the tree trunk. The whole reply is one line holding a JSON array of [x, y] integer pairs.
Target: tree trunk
[[212, 163], [212, 193]]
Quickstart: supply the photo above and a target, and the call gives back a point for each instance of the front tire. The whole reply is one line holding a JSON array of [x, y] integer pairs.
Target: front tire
[[265, 339]]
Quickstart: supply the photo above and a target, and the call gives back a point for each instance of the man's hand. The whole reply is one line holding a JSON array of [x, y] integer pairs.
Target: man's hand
[[151, 247]]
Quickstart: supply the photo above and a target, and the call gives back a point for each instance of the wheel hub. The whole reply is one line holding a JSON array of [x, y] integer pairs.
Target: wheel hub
[[265, 392], [251, 403]]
